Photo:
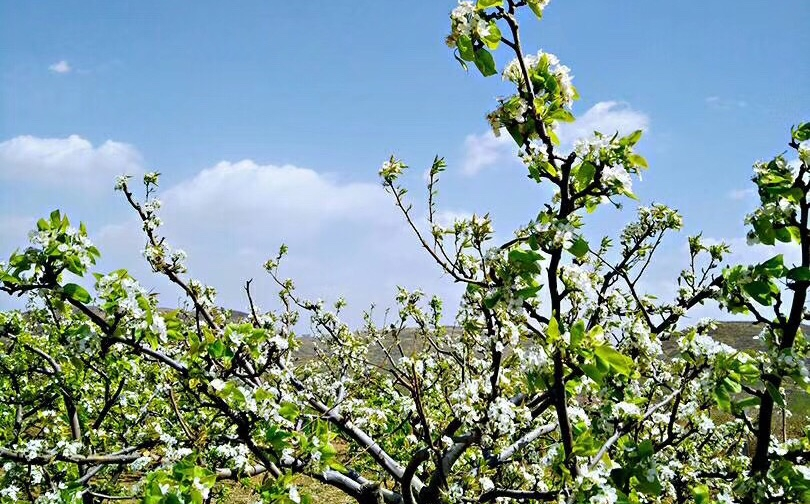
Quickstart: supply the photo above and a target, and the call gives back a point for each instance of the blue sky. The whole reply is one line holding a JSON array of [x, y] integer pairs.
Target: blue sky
[[332, 88]]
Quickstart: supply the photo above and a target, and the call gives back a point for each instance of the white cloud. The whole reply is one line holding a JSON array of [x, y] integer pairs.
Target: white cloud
[[344, 238], [14, 232], [719, 103], [72, 160], [741, 194], [449, 217], [486, 150], [606, 117], [742, 253], [60, 67], [293, 198]]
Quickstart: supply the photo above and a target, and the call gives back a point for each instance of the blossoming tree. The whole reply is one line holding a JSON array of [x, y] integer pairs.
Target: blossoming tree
[[552, 387]]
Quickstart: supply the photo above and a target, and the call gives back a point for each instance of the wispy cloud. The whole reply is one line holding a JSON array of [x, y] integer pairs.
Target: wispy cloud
[[720, 103], [741, 194], [61, 67]]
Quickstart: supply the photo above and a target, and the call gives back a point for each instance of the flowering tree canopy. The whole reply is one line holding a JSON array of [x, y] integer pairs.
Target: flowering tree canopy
[[553, 385]]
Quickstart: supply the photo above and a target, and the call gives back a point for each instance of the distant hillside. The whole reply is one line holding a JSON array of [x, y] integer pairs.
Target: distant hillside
[[737, 334]]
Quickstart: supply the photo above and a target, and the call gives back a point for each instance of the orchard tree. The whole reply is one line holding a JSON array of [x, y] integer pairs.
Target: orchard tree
[[553, 385]]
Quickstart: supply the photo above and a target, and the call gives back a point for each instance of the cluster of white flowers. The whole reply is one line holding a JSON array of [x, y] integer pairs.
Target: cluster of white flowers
[[33, 448], [201, 487], [579, 281], [162, 255], [502, 413], [49, 497], [562, 74], [206, 294], [534, 358], [704, 424], [128, 297], [556, 234], [617, 176], [637, 335], [70, 243], [152, 221], [69, 448], [703, 345], [596, 480], [466, 20], [392, 169], [140, 463], [592, 146], [121, 182], [112, 286], [625, 409], [10, 492], [577, 414], [467, 397]]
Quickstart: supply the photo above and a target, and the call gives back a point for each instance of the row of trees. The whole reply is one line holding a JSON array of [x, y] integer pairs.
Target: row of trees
[[552, 388]]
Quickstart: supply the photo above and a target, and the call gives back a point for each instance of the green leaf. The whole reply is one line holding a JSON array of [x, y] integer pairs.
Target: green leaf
[[701, 494], [77, 293], [593, 372], [577, 333], [460, 61], [465, 48], [7, 278], [584, 174], [760, 291], [783, 234], [535, 6], [632, 138], [773, 266], [485, 63], [562, 115], [553, 137], [802, 132], [799, 274], [289, 411], [491, 301], [579, 248], [638, 160], [488, 4], [216, 349], [516, 133], [731, 386], [748, 402], [764, 231], [523, 257], [618, 361], [775, 394], [553, 330], [493, 39]]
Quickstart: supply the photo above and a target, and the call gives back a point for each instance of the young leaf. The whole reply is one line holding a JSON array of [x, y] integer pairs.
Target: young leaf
[[484, 62], [77, 293], [579, 248], [488, 4]]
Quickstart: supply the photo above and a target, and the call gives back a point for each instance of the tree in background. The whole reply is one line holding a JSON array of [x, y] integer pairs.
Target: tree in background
[[552, 387]]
